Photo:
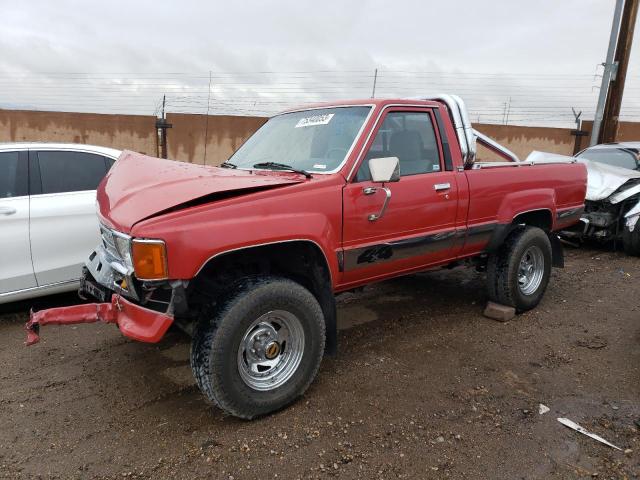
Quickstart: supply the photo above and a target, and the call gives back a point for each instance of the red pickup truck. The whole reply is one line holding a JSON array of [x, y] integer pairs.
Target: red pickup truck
[[247, 257]]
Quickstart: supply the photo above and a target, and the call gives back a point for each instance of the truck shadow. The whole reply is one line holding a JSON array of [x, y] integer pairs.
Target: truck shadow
[[155, 380], [40, 303], [416, 300]]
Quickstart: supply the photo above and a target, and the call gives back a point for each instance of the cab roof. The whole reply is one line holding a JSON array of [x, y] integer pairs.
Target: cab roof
[[374, 102]]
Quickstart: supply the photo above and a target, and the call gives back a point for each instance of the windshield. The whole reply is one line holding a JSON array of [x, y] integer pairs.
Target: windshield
[[311, 140], [615, 157]]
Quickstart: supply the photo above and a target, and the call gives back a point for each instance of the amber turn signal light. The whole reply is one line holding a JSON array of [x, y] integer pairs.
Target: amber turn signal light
[[149, 259]]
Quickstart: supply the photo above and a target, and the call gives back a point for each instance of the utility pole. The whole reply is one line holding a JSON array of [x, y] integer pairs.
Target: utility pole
[[162, 125], [375, 79], [608, 71], [623, 49], [508, 112]]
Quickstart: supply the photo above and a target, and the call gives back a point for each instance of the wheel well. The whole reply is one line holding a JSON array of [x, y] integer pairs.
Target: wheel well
[[301, 261], [536, 218]]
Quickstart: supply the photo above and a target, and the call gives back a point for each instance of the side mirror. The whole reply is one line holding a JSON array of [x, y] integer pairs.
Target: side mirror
[[385, 169]]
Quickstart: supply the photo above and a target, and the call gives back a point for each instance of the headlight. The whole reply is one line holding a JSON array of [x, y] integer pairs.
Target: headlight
[[123, 247], [149, 259]]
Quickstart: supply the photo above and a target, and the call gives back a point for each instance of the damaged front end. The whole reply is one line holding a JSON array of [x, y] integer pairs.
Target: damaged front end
[[612, 204], [142, 309]]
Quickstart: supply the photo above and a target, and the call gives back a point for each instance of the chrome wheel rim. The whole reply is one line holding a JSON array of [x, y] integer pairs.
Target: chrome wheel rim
[[530, 270], [271, 350]]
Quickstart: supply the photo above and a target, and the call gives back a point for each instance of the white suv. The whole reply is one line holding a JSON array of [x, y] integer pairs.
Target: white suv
[[48, 219]]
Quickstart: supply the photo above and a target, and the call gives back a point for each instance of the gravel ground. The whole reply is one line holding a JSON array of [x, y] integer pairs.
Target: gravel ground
[[423, 387]]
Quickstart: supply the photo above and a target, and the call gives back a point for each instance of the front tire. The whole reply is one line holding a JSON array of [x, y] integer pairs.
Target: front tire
[[518, 273], [258, 350]]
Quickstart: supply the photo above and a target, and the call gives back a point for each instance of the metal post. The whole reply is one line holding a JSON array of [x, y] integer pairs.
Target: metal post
[[375, 79], [206, 125], [163, 131], [578, 132], [606, 76], [162, 125]]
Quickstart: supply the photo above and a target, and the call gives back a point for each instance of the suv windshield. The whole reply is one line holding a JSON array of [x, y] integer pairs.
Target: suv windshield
[[615, 157], [311, 140]]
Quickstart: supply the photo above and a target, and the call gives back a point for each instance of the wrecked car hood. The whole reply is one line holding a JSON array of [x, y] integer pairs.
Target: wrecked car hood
[[603, 180], [138, 186]]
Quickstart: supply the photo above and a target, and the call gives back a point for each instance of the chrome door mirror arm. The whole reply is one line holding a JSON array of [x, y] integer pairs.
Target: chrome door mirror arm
[[370, 190]]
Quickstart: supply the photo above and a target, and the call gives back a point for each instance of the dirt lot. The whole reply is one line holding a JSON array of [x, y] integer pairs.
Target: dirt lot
[[423, 387]]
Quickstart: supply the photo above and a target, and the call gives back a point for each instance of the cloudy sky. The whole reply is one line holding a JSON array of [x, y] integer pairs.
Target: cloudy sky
[[514, 61]]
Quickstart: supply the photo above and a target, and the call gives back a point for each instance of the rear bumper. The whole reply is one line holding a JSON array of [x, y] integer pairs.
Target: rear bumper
[[133, 320]]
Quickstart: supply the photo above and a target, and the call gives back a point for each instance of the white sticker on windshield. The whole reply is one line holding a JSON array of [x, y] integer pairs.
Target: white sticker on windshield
[[320, 166], [314, 120]]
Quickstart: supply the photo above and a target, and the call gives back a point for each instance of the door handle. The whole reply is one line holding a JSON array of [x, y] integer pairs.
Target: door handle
[[441, 186], [7, 210]]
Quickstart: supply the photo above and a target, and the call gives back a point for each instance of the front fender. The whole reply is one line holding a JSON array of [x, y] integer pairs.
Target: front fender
[[190, 251]]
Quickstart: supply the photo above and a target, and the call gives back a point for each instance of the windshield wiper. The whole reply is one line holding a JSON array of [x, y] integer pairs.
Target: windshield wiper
[[228, 165], [281, 166]]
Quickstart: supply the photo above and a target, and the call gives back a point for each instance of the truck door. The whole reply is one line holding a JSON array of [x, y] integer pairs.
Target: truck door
[[417, 228]]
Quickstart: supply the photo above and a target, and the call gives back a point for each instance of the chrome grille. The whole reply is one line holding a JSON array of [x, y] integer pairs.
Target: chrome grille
[[108, 241]]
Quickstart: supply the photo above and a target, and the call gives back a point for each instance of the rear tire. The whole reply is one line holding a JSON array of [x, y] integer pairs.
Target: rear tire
[[518, 273], [631, 240], [260, 348]]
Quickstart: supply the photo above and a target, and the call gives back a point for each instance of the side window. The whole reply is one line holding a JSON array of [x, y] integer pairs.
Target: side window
[[410, 137], [70, 171], [13, 175]]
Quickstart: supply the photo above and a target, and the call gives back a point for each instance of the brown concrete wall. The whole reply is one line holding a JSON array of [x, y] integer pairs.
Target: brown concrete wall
[[186, 140], [627, 132], [225, 133], [523, 140], [133, 132]]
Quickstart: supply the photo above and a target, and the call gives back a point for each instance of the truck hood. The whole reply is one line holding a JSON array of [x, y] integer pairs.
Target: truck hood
[[139, 187]]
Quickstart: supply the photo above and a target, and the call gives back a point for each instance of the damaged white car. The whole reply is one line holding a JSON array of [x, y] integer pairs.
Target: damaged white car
[[612, 205]]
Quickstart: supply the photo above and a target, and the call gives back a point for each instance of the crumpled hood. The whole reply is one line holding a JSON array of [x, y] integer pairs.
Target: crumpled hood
[[603, 179], [138, 186]]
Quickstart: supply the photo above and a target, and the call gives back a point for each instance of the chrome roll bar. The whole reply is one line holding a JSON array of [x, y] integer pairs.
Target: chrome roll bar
[[467, 136]]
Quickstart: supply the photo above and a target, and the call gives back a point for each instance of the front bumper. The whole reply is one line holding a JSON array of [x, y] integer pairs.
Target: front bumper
[[134, 321]]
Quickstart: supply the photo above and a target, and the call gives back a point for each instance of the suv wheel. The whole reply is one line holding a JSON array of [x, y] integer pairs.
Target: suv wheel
[[518, 273], [259, 349]]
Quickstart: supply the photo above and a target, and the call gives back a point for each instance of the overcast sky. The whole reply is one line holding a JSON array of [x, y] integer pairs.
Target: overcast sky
[[122, 56]]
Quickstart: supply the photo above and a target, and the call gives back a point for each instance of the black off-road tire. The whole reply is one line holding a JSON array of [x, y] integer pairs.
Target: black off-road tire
[[503, 265], [217, 338], [631, 240]]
